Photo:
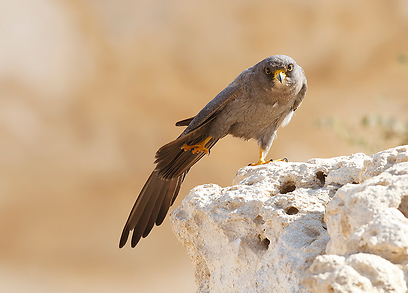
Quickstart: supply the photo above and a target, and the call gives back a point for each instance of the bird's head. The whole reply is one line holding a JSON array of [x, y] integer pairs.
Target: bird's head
[[279, 72]]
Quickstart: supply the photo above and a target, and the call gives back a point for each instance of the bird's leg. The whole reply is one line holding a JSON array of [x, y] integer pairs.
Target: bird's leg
[[199, 147], [262, 159]]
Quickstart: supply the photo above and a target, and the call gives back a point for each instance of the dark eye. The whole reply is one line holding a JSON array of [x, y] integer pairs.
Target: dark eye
[[267, 70], [290, 67]]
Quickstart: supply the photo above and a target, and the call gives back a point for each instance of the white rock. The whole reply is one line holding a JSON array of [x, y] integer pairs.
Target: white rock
[[355, 273], [386, 235], [263, 233], [351, 212]]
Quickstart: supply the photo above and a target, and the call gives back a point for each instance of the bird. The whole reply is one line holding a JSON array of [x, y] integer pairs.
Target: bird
[[253, 106]]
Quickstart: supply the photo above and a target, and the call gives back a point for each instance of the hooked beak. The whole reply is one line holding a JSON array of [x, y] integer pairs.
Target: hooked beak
[[280, 75]]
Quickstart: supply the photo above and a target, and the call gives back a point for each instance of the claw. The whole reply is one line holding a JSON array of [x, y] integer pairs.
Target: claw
[[197, 148], [262, 160], [279, 160]]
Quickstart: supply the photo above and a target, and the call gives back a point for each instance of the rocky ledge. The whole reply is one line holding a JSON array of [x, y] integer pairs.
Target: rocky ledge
[[326, 225]]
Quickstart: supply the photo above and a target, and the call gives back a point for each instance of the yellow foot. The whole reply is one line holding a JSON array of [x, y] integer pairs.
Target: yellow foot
[[262, 162], [197, 148]]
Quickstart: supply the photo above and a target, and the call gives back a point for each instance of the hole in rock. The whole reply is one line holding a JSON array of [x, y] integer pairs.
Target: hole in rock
[[265, 242], [313, 233], [287, 187], [322, 177], [324, 225], [403, 207], [259, 220], [291, 211], [391, 160]]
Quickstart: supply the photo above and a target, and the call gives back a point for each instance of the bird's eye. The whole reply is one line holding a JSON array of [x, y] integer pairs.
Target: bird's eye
[[267, 70], [290, 67]]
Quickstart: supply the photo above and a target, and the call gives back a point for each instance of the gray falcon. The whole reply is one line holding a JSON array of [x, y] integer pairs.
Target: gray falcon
[[254, 105]]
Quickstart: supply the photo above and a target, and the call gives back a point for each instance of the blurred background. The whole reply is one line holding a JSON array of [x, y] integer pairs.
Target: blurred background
[[90, 89]]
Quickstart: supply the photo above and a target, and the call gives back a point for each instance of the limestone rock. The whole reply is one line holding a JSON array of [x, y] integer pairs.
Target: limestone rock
[[265, 231], [356, 273]]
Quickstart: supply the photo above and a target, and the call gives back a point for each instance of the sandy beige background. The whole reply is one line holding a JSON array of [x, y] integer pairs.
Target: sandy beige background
[[90, 89]]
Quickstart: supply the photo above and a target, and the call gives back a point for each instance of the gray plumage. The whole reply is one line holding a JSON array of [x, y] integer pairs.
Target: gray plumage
[[254, 105]]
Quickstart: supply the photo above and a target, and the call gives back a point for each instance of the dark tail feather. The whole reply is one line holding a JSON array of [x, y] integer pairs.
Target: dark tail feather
[[151, 206], [169, 199], [167, 188], [161, 189], [146, 213], [137, 209]]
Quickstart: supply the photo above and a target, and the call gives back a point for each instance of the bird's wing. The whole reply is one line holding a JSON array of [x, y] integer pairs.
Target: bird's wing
[[184, 122], [213, 107], [296, 104], [171, 160], [300, 96]]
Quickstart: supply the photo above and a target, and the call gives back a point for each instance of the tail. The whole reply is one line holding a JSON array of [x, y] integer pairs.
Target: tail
[[162, 188], [150, 207]]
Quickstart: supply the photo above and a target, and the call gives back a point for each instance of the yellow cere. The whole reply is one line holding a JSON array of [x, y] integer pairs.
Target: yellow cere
[[279, 71]]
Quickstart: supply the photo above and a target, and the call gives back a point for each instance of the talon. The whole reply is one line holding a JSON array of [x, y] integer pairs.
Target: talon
[[197, 148], [262, 160], [280, 160]]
